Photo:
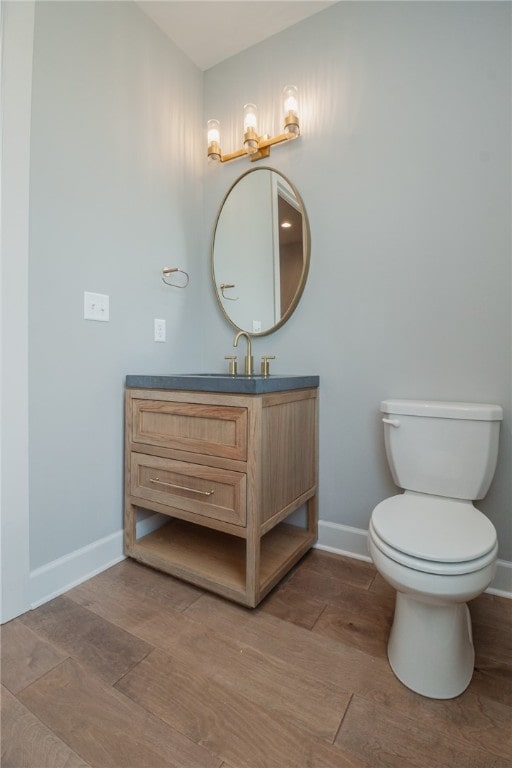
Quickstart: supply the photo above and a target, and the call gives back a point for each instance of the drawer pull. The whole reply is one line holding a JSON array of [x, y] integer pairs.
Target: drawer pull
[[181, 487]]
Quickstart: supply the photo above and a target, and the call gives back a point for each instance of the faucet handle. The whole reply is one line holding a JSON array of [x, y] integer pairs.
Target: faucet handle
[[232, 364], [265, 364]]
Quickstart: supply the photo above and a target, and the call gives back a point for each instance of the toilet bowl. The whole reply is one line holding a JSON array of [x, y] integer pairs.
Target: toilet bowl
[[437, 551], [430, 647]]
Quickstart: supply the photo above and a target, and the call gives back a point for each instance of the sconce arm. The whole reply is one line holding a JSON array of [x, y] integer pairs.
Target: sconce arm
[[264, 145]]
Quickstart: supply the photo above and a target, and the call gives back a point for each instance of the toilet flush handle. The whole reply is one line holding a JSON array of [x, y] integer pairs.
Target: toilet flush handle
[[392, 422]]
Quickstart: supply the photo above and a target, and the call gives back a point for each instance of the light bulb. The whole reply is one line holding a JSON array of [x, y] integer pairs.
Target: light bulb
[[291, 108], [290, 98], [250, 116], [213, 128], [213, 131], [250, 129]]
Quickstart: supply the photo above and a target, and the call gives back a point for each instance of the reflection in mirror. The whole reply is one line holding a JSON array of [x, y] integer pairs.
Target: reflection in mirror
[[260, 253]]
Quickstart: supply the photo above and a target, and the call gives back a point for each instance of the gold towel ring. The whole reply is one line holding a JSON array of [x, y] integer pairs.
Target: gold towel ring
[[225, 286], [168, 271]]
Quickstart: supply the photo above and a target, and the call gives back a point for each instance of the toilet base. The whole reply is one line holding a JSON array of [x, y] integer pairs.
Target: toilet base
[[435, 664]]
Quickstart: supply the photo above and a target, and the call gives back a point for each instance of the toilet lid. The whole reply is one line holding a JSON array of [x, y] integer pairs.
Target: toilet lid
[[434, 528]]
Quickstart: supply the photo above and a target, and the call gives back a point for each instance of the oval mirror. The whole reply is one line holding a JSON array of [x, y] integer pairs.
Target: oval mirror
[[260, 251]]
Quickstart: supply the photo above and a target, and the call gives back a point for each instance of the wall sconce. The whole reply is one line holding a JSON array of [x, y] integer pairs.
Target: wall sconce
[[254, 145]]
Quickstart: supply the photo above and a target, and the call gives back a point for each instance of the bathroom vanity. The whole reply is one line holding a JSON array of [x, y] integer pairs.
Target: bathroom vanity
[[227, 460]]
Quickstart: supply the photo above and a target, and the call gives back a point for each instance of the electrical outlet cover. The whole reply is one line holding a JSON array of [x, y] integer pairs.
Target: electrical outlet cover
[[159, 327], [96, 306]]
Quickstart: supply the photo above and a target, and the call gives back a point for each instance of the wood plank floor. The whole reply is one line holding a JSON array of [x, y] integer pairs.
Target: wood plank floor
[[135, 669]]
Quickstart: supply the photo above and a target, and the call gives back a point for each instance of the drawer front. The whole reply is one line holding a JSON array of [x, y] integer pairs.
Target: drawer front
[[209, 429], [193, 488]]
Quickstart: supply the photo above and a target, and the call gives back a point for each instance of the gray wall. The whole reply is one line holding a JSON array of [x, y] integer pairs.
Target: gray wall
[[115, 195], [16, 30], [404, 167]]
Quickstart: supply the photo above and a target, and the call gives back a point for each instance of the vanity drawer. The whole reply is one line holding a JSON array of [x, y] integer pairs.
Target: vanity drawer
[[208, 429], [201, 490]]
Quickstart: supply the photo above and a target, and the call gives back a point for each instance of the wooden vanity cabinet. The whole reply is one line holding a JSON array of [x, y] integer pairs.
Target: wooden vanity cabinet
[[227, 470]]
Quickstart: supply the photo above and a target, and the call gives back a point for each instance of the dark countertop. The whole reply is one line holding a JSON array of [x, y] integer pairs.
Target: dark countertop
[[220, 382]]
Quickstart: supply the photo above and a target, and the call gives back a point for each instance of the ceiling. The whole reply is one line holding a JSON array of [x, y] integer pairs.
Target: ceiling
[[209, 31]]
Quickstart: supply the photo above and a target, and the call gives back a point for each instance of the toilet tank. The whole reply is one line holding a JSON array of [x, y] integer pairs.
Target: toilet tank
[[442, 448]]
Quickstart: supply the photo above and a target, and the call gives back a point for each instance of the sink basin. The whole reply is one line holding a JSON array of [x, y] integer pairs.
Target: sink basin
[[222, 382]]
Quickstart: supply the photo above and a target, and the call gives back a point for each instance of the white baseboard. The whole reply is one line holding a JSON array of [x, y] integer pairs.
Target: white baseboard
[[502, 583], [351, 542], [66, 572], [57, 577], [343, 540]]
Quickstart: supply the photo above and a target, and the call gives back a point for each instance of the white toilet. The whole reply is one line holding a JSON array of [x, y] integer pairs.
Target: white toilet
[[430, 543]]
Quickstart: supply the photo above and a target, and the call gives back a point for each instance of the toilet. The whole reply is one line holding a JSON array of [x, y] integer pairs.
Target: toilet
[[430, 543]]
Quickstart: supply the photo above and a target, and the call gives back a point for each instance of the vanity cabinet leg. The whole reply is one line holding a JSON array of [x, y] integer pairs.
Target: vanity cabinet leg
[[129, 528], [312, 517], [252, 568]]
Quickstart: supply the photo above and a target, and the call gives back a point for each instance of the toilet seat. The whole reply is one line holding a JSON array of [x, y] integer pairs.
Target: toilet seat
[[432, 566], [433, 534]]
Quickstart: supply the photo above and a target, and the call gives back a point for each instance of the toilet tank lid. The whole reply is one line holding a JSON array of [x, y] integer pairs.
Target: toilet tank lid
[[443, 410]]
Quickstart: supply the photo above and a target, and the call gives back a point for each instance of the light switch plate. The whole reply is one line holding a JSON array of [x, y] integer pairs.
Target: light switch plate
[[96, 306]]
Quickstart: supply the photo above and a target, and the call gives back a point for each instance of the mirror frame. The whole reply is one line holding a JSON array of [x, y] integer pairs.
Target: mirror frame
[[306, 254]]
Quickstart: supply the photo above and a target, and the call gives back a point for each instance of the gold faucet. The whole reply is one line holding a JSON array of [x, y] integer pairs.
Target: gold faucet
[[249, 361]]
